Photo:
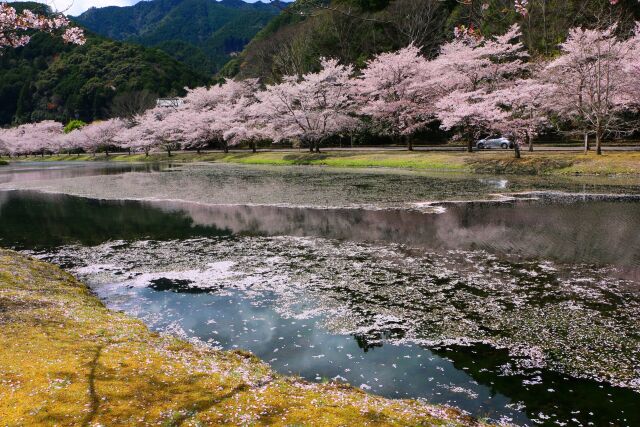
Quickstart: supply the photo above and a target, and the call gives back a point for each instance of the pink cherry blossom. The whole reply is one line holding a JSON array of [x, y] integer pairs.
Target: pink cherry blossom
[[310, 108], [14, 27], [594, 81], [466, 72], [395, 90]]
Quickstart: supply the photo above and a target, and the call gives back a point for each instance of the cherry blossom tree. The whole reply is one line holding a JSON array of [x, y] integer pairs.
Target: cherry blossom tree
[[310, 108], [240, 123], [158, 130], [233, 121], [9, 142], [208, 113], [71, 141], [99, 135], [632, 70], [40, 137], [139, 137], [591, 80], [470, 61], [526, 104], [395, 91], [469, 68], [31, 138], [475, 112], [14, 27]]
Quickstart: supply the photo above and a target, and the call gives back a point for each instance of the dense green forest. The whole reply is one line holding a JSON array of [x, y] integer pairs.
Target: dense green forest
[[47, 79], [354, 30], [203, 34]]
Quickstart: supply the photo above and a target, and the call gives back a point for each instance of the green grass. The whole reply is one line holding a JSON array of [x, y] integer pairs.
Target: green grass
[[536, 163], [67, 360], [341, 159]]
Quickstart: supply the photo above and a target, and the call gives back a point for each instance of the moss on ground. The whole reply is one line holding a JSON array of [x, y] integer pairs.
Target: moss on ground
[[67, 360], [536, 163], [549, 163]]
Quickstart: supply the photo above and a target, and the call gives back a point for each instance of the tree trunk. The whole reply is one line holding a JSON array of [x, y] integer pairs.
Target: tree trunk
[[226, 148], [598, 143], [198, 150], [409, 143], [254, 147], [317, 143], [169, 152], [516, 149], [530, 142], [106, 152], [586, 142], [469, 146]]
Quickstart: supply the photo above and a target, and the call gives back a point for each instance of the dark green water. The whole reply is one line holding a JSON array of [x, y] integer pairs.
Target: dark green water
[[523, 310]]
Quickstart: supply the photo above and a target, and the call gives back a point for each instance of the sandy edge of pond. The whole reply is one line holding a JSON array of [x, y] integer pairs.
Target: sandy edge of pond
[[68, 360]]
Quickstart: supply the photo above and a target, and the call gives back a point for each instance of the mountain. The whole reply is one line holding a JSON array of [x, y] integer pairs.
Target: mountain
[[355, 30], [47, 79], [203, 34]]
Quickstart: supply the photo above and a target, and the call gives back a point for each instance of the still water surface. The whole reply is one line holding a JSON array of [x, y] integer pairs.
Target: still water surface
[[524, 309]]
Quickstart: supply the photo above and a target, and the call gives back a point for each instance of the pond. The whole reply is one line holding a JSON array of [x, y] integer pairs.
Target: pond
[[511, 298]]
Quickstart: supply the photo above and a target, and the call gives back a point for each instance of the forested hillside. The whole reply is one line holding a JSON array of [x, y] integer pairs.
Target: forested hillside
[[203, 34], [354, 30], [48, 79]]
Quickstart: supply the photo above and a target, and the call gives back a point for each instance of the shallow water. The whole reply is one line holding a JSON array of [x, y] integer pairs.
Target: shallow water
[[300, 186], [497, 308], [43, 171]]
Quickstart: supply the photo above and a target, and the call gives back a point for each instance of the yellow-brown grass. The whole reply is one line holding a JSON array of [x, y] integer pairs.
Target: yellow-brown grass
[[498, 162], [67, 360]]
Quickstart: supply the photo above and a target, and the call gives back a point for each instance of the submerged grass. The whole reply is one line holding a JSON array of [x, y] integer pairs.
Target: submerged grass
[[536, 163], [67, 360]]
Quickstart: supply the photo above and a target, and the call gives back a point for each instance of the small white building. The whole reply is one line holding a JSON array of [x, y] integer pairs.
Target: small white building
[[169, 102]]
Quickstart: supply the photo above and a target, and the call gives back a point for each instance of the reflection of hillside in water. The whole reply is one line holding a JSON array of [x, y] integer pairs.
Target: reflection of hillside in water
[[584, 400], [603, 232]]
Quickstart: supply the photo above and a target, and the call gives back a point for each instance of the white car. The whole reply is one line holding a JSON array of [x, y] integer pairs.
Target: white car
[[487, 143]]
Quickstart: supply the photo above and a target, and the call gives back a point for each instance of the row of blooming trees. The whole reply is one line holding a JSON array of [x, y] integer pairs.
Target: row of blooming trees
[[475, 87]]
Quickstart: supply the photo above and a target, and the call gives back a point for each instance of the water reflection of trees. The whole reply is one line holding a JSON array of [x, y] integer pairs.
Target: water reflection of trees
[[370, 340], [571, 397], [34, 220], [568, 231]]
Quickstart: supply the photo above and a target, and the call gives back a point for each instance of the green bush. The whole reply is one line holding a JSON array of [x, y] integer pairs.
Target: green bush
[[73, 125]]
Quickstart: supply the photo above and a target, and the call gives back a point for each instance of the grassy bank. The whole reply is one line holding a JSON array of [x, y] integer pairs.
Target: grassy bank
[[67, 360], [536, 163]]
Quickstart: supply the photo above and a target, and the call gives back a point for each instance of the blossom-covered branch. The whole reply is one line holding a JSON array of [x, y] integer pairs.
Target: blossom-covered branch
[[15, 28]]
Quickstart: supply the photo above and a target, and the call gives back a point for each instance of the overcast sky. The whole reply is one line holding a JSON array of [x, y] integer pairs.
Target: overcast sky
[[76, 7]]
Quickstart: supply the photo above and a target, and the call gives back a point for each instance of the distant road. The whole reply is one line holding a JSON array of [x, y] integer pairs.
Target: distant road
[[433, 148], [464, 149], [541, 148]]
